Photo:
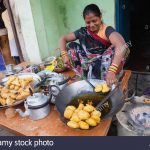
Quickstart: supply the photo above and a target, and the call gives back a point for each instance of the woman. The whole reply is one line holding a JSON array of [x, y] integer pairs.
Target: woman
[[101, 51]]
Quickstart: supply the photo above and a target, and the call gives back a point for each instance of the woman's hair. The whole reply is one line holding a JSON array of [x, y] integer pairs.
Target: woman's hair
[[92, 8]]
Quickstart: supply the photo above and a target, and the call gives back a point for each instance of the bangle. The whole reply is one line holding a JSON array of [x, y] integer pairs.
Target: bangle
[[114, 65], [112, 70], [63, 52]]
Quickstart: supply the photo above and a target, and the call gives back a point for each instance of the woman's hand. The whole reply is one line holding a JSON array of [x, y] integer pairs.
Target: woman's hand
[[111, 78], [66, 61]]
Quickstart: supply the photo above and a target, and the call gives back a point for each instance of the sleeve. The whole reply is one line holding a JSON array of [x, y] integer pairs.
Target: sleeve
[[77, 33], [109, 30]]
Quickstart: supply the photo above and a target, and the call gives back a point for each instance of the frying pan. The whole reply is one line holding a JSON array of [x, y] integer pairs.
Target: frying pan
[[71, 94]]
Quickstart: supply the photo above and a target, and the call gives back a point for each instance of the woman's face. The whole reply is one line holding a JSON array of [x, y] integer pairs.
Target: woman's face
[[93, 22]]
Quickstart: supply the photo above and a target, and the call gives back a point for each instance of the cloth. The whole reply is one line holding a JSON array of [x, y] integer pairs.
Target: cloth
[[93, 56], [13, 48], [7, 23], [12, 43]]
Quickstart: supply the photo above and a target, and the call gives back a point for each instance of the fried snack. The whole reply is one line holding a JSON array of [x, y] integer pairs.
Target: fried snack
[[73, 124], [71, 107], [29, 79], [19, 97], [96, 118], [24, 83], [24, 94], [10, 80], [96, 113], [83, 115], [16, 82], [4, 95], [9, 101], [68, 113], [4, 90], [16, 88], [89, 108], [83, 125], [2, 101], [105, 88], [91, 122], [11, 87], [98, 88], [75, 118], [13, 95], [81, 106]]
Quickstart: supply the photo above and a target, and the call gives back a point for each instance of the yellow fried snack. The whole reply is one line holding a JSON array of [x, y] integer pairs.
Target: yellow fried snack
[[68, 113], [96, 113], [4, 95], [96, 118], [71, 107], [2, 101], [16, 82], [19, 97], [89, 108], [98, 88], [91, 122], [10, 79], [4, 90], [24, 94], [83, 115], [16, 88], [83, 125], [75, 117], [29, 79], [9, 101], [13, 95], [81, 106], [73, 124], [11, 87], [105, 88]]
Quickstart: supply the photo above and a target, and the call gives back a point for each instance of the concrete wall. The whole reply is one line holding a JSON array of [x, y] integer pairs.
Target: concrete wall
[[70, 13], [54, 18]]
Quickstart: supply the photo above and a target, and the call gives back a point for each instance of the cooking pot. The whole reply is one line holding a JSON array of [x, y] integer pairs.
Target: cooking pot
[[83, 91]]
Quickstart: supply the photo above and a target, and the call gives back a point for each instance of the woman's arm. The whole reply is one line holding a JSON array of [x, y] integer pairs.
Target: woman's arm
[[62, 44], [120, 47], [65, 39], [120, 50]]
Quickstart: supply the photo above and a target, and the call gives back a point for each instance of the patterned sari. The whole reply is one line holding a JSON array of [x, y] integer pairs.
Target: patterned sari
[[92, 57]]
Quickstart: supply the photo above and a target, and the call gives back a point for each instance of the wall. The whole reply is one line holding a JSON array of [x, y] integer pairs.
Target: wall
[[54, 18], [70, 13], [46, 25]]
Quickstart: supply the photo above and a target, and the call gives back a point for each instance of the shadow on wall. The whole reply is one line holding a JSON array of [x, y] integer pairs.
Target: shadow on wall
[[62, 10]]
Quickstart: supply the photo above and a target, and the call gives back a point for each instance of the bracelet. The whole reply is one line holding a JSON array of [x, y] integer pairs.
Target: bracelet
[[111, 70], [64, 53], [114, 65]]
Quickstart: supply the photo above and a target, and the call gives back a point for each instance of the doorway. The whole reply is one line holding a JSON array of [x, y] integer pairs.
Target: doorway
[[133, 22]]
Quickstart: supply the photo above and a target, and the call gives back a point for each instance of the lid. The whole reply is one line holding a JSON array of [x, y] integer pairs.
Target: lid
[[37, 99]]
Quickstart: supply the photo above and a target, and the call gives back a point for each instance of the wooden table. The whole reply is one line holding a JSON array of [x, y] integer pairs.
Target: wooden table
[[52, 125]]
